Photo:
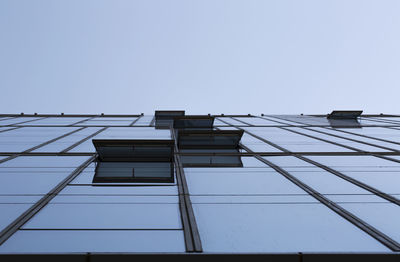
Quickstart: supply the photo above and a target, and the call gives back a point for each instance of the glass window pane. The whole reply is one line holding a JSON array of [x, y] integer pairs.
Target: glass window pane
[[144, 121], [124, 133], [360, 138], [278, 118], [279, 228], [257, 121], [257, 145], [231, 121], [56, 121], [9, 212], [118, 190], [208, 181], [36, 174], [63, 143], [25, 138], [294, 142], [107, 216], [341, 141], [17, 120], [115, 199], [383, 216], [65, 241]]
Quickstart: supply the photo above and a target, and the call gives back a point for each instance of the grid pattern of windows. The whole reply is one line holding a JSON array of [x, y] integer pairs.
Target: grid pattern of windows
[[304, 184]]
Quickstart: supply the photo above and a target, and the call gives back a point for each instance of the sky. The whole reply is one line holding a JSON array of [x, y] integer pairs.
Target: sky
[[205, 56]]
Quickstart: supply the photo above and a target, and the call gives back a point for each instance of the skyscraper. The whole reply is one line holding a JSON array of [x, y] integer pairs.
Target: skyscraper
[[284, 187]]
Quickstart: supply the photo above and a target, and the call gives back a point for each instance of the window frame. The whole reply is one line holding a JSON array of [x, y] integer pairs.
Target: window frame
[[151, 144]]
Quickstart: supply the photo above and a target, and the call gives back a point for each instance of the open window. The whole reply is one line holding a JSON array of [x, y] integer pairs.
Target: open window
[[131, 161], [193, 122], [344, 118], [345, 114], [210, 148], [164, 119]]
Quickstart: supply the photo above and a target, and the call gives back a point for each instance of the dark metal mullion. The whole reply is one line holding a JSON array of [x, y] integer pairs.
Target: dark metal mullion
[[183, 212], [334, 172], [28, 214], [372, 231], [83, 140], [191, 232], [134, 121], [40, 145]]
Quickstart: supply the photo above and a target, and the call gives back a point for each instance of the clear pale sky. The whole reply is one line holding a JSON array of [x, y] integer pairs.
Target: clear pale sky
[[81, 56]]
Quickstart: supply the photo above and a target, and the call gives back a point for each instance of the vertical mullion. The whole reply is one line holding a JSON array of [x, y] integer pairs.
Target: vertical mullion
[[192, 236]]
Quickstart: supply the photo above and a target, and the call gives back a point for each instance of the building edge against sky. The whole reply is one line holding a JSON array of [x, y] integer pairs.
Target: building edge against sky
[[282, 187]]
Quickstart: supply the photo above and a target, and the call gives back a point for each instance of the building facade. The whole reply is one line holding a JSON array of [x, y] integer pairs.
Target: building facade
[[285, 187]]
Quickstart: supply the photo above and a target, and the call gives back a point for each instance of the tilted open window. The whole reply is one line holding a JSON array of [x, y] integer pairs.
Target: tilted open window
[[193, 122], [122, 161], [164, 119], [344, 118], [203, 146], [344, 114]]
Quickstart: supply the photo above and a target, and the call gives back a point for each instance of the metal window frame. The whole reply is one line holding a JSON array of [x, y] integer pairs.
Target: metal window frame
[[98, 143]]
